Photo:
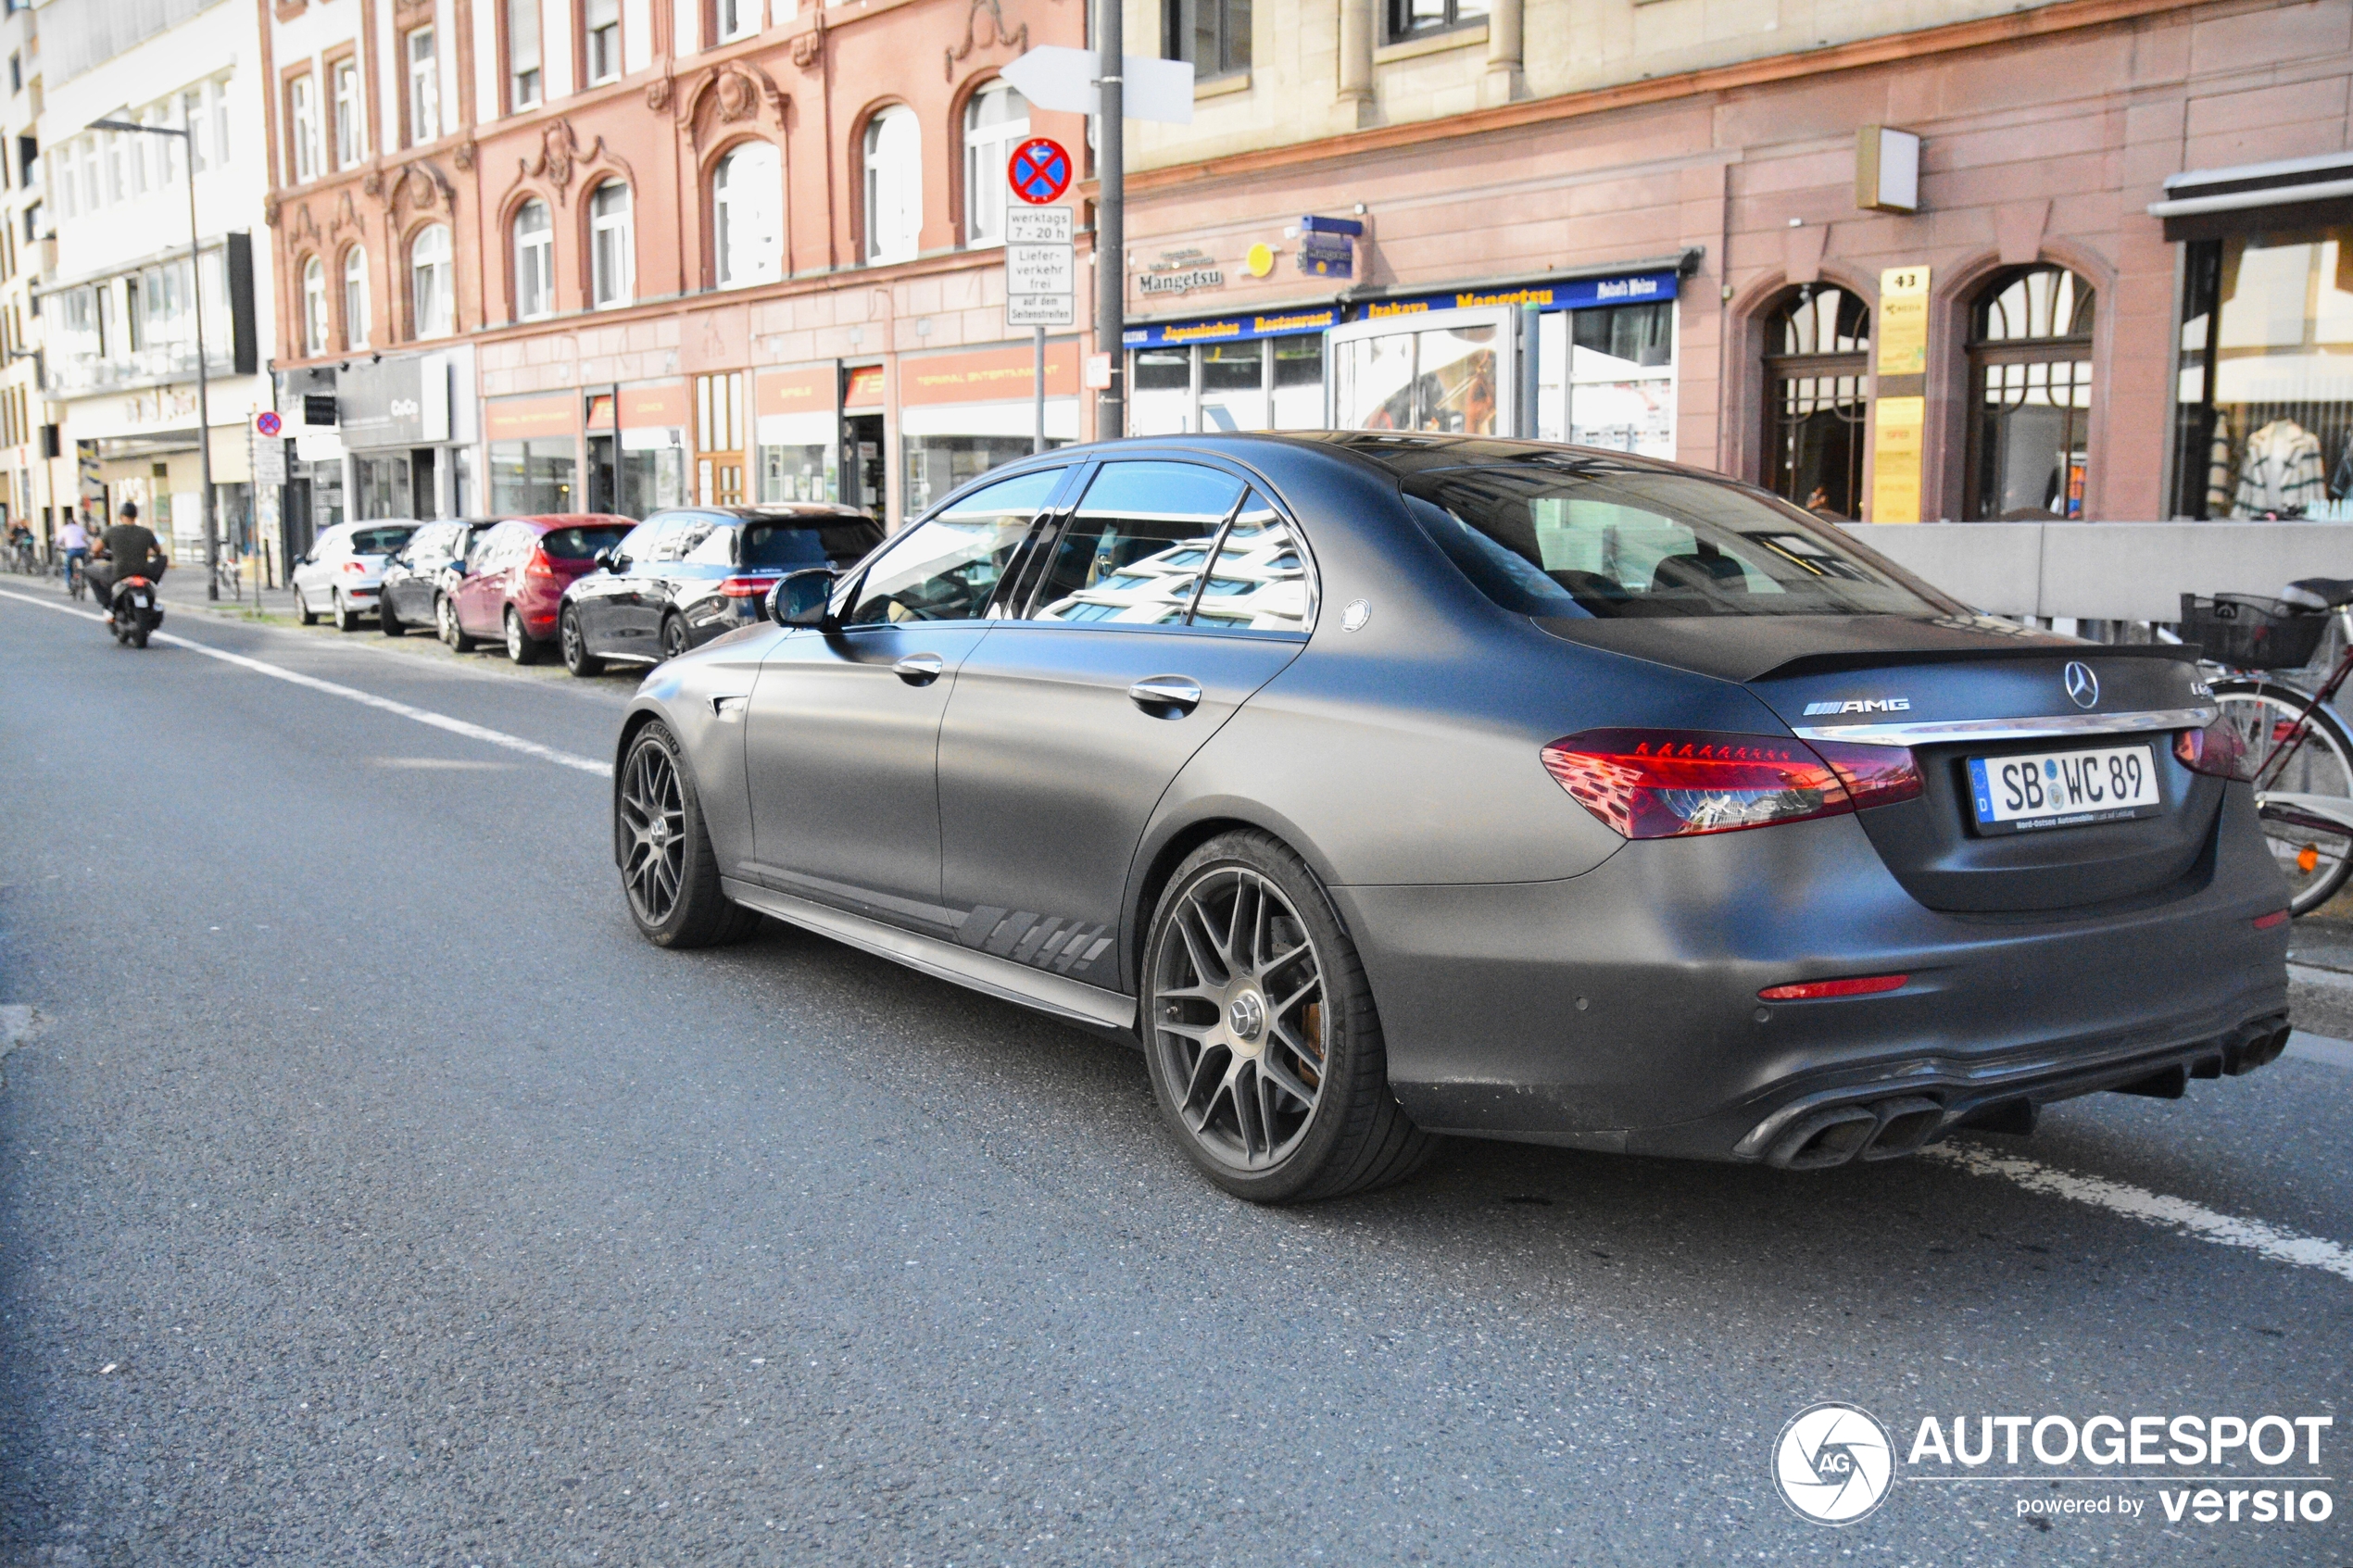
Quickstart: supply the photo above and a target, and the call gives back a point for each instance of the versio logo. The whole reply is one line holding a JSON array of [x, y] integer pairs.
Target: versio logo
[[1833, 1463]]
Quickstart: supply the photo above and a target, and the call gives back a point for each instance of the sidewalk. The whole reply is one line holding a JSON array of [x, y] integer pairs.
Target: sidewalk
[[184, 591]]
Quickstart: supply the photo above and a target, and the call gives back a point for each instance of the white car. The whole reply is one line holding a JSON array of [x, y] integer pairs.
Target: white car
[[340, 574]]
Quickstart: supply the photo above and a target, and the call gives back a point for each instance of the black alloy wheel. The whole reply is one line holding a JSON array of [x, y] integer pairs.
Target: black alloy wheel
[[391, 625], [520, 649], [444, 619], [668, 868], [1260, 1033], [674, 637], [577, 659]]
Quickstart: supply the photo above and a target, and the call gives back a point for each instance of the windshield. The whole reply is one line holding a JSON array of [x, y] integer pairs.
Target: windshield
[[1594, 538], [580, 544]]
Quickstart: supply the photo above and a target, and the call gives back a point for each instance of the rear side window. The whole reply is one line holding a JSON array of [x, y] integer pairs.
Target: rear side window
[[378, 540], [787, 546], [1162, 544], [1588, 537], [581, 543]]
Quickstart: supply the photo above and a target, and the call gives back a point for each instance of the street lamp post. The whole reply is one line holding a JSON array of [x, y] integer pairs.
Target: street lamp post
[[187, 134]]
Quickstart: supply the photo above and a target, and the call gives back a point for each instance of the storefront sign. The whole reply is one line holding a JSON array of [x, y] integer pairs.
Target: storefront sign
[[400, 402], [1903, 321], [518, 419], [661, 406], [806, 390], [1233, 329], [1328, 246], [986, 375], [1575, 294], [865, 388], [1182, 281], [1895, 459]]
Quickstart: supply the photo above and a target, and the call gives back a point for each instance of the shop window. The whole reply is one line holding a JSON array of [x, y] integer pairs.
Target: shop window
[[894, 185], [600, 24], [1605, 378], [1267, 383], [302, 126], [432, 310], [746, 216], [1817, 347], [533, 478], [314, 307], [612, 246], [1411, 18], [535, 262], [424, 87], [996, 120], [1212, 35], [523, 80], [1435, 378], [2029, 401], [355, 298], [351, 143], [2264, 419]]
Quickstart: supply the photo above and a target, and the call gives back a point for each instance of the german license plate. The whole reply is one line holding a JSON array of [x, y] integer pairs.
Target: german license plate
[[2063, 789]]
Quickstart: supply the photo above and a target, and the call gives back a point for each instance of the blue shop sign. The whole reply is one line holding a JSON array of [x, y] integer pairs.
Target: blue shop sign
[[1239, 327], [1575, 294]]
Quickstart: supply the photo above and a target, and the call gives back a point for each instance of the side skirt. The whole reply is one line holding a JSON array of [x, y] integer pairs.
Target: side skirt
[[1064, 999]]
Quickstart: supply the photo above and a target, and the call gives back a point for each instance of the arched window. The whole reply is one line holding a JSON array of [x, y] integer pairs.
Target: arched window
[[355, 298], [314, 307], [746, 216], [996, 121], [612, 246], [894, 185], [535, 262], [431, 307], [2030, 373], [1817, 349]]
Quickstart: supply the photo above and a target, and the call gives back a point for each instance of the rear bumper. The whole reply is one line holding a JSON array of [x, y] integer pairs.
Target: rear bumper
[[1619, 1010]]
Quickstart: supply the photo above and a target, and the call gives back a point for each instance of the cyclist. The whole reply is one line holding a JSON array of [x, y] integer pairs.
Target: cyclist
[[73, 542]]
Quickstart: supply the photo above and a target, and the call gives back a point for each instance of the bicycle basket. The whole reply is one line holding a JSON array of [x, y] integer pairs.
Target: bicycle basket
[[2248, 633]]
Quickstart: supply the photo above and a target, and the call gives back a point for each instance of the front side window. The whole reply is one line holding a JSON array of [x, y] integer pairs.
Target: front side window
[[1212, 35], [522, 54], [355, 298], [996, 121], [600, 21], [746, 216], [612, 250], [1410, 19], [425, 88], [2030, 361], [429, 282], [1571, 536], [1817, 349], [314, 307], [350, 143], [535, 262], [894, 185], [947, 568]]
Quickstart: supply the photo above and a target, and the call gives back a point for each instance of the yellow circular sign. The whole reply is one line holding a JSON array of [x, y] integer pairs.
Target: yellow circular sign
[[1259, 260]]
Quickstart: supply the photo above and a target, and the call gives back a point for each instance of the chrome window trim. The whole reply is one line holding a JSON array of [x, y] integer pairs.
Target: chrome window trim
[[2058, 725]]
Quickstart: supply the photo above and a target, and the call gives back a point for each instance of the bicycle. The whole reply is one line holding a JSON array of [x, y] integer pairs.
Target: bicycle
[[77, 579], [2298, 748]]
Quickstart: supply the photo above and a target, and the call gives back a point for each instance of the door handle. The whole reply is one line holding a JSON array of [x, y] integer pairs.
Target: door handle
[[1156, 695], [919, 669]]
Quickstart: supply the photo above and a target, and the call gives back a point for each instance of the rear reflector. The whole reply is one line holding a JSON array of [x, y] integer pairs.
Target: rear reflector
[[2265, 922], [2215, 750], [1672, 783], [1813, 990], [746, 588]]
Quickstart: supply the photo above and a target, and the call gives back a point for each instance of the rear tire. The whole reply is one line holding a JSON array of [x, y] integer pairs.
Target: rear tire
[[1260, 1036], [2315, 863], [521, 648], [669, 873], [347, 618], [445, 620], [577, 659], [139, 636], [303, 613], [674, 637]]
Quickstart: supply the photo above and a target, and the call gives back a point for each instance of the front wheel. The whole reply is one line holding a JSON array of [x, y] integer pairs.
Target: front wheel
[[387, 623], [1260, 1033], [347, 618], [2302, 798], [303, 612], [668, 868], [577, 659], [445, 620], [674, 637]]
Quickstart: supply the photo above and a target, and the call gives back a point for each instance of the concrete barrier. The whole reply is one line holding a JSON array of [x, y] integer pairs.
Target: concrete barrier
[[2109, 570]]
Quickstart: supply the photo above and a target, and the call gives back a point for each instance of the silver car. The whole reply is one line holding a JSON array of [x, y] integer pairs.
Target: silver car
[[343, 570]]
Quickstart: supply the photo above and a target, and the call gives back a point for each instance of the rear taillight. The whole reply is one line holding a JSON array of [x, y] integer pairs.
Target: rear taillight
[[354, 569], [1673, 784], [1819, 990], [538, 565], [2216, 749], [2277, 917], [745, 588]]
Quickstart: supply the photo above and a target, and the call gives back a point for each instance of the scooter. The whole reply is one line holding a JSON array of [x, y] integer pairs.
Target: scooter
[[134, 612]]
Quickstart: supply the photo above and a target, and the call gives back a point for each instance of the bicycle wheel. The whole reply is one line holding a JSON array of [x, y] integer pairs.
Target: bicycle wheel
[[2310, 792]]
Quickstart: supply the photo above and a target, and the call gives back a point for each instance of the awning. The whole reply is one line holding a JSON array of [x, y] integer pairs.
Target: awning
[[2206, 204]]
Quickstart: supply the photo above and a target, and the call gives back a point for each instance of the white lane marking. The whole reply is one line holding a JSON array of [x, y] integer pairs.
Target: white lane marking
[[2320, 1048], [2154, 1208], [352, 694]]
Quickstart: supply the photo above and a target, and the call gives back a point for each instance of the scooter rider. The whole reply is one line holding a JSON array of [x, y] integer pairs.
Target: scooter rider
[[127, 549]]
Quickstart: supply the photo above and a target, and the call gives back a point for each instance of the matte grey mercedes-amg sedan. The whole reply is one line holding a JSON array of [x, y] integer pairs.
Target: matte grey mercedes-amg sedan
[[1386, 786]]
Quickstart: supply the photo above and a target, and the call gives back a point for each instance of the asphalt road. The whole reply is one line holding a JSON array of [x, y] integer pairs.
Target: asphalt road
[[370, 1193]]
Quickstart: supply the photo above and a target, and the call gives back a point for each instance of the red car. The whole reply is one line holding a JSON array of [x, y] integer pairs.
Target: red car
[[515, 574]]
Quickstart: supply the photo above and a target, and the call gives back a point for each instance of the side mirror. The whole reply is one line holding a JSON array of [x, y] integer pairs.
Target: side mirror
[[609, 558], [804, 597]]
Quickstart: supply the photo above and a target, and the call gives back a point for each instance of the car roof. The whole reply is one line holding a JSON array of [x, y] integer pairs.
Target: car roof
[[776, 512], [547, 523]]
